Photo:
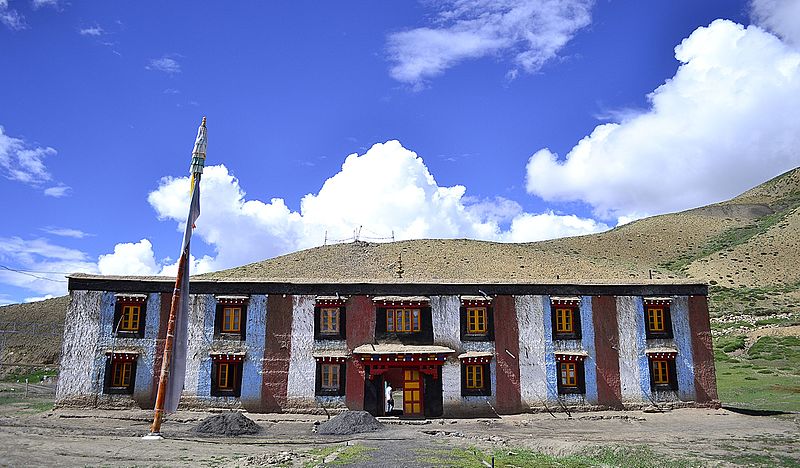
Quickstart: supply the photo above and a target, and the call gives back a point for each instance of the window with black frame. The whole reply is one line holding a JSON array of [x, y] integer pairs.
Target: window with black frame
[[120, 373], [570, 374], [477, 319], [330, 376], [663, 374], [565, 314], [476, 379], [130, 311], [657, 318], [226, 375], [230, 319], [330, 318]]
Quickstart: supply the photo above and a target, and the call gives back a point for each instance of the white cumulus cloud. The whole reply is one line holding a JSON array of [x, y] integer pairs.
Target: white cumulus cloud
[[135, 258], [779, 16], [726, 121], [386, 190], [530, 31]]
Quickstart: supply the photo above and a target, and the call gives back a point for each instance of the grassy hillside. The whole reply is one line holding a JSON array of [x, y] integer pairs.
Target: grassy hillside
[[747, 249]]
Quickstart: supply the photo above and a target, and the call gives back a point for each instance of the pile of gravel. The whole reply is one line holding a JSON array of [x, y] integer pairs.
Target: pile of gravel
[[227, 425], [350, 422]]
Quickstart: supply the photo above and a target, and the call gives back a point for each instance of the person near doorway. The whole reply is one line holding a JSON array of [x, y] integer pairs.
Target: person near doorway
[[389, 399]]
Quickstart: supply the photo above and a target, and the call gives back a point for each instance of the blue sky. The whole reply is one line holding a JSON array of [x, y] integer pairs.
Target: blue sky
[[497, 120]]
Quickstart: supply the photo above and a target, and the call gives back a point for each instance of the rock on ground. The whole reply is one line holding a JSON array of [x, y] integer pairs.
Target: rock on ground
[[227, 424], [350, 422]]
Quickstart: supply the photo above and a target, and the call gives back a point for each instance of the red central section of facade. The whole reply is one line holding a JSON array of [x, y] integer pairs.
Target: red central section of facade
[[506, 336], [705, 384], [606, 343], [360, 325], [277, 349]]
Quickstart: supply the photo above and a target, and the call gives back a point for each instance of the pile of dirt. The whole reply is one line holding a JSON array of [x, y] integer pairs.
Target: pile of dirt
[[350, 422], [227, 425]]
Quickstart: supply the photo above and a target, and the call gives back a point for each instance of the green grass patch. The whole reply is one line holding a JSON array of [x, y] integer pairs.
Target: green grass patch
[[30, 405], [33, 376], [347, 455], [623, 456], [730, 343], [767, 388]]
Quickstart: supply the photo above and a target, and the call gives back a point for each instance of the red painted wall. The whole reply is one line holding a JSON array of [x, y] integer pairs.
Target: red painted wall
[[606, 342], [277, 349], [360, 323], [506, 337], [705, 382]]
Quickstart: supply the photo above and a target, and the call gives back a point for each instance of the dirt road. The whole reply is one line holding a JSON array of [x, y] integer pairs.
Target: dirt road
[[113, 438]]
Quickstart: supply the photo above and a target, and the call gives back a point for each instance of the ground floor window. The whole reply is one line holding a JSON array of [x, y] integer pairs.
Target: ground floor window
[[570, 377], [475, 379], [226, 377], [120, 375], [330, 378], [662, 374]]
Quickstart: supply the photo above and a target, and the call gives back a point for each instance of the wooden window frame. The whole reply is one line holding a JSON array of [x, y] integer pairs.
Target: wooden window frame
[[574, 331], [471, 335], [468, 369], [663, 375], [578, 386], [401, 320], [477, 320], [223, 329], [323, 390], [232, 386], [341, 324], [111, 386], [122, 326], [665, 331], [234, 325], [386, 324]]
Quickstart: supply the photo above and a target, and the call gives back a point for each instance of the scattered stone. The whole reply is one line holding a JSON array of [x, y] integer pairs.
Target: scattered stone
[[350, 422], [267, 459], [227, 425]]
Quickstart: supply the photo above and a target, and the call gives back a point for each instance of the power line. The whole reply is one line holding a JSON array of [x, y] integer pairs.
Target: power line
[[28, 273]]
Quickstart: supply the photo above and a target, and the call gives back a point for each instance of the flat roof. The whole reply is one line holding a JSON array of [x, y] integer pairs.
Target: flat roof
[[392, 287]]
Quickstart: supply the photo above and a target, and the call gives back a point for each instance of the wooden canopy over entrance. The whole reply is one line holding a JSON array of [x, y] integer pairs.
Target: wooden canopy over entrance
[[382, 357]]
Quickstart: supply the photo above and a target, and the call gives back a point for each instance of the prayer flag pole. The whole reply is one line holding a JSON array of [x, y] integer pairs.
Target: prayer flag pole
[[169, 391]]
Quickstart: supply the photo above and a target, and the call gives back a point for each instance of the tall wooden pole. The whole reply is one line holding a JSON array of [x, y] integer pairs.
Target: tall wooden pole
[[155, 428]]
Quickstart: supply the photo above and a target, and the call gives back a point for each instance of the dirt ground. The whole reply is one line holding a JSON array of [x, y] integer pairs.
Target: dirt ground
[[706, 437]]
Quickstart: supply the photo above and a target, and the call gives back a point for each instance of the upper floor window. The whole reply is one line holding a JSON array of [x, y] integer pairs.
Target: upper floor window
[[329, 318], [403, 320], [120, 373], [658, 322], [566, 318], [476, 319], [406, 319], [230, 320], [129, 315]]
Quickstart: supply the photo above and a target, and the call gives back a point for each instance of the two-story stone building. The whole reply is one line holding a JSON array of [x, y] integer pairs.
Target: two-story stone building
[[289, 335]]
